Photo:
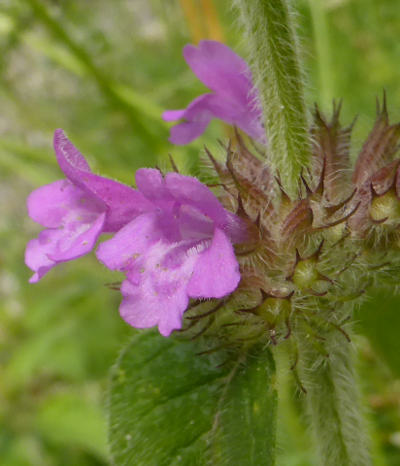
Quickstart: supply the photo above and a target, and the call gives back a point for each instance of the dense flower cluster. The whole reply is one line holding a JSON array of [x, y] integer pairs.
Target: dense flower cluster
[[308, 261], [268, 265]]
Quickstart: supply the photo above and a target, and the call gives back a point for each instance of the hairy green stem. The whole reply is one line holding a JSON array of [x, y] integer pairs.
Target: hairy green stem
[[323, 52], [333, 401], [268, 25]]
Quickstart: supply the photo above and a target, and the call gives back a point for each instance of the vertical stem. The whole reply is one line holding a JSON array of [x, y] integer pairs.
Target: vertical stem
[[276, 69], [192, 16], [323, 52], [214, 27], [333, 402], [291, 435]]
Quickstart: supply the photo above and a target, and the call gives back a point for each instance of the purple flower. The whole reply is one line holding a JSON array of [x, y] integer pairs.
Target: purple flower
[[173, 238], [76, 210], [233, 98], [179, 250]]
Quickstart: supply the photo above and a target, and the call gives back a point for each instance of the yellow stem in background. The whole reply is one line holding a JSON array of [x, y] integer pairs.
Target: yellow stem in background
[[193, 20], [202, 20], [213, 25]]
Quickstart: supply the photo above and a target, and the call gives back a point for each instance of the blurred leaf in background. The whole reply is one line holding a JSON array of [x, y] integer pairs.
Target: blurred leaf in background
[[104, 72]]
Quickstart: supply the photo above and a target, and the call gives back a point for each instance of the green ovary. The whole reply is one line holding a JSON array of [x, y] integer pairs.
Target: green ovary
[[385, 207], [306, 274]]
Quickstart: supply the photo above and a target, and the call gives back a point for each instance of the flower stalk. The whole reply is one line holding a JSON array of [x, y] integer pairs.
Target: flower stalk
[[332, 402], [270, 33]]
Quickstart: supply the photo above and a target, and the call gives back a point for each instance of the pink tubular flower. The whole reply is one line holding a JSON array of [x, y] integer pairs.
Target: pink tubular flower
[[232, 100], [179, 250], [173, 238], [76, 210]]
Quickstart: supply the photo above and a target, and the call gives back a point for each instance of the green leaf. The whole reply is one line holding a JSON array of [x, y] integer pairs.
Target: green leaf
[[169, 405]]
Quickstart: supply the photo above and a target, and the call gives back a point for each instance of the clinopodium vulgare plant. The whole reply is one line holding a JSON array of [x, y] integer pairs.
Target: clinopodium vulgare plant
[[275, 251]]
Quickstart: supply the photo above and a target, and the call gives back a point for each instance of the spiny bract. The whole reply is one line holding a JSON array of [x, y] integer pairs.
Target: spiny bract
[[307, 261]]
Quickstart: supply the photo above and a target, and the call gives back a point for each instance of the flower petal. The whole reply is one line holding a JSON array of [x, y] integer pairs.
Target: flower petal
[[36, 255], [193, 224], [220, 69], [173, 115], [127, 246], [204, 108], [160, 298], [150, 183], [50, 204], [216, 272], [142, 311], [197, 116], [77, 239], [123, 202], [61, 244], [186, 132], [189, 190]]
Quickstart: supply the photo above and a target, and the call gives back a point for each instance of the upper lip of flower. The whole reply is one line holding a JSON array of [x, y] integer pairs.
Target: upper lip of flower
[[120, 201]]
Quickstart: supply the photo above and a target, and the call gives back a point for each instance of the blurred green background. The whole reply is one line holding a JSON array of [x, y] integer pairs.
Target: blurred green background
[[104, 71]]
